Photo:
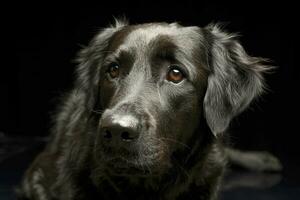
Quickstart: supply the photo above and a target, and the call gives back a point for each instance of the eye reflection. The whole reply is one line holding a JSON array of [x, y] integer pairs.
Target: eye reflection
[[113, 70], [175, 74]]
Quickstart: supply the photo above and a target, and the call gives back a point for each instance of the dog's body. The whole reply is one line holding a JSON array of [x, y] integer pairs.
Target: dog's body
[[147, 116]]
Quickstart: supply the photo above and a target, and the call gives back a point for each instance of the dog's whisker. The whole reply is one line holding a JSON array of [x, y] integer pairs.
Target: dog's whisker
[[97, 111], [107, 51], [177, 142], [185, 172], [141, 161]]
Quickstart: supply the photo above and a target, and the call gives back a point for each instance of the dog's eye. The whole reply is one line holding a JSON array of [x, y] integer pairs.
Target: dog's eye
[[175, 74], [113, 70]]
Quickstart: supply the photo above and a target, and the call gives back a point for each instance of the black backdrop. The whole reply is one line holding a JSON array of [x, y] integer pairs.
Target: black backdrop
[[40, 42]]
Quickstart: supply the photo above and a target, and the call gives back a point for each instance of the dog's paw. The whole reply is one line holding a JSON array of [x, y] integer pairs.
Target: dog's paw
[[265, 161], [254, 160], [260, 161]]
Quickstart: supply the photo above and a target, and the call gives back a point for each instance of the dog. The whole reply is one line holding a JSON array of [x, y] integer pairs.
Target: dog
[[147, 116]]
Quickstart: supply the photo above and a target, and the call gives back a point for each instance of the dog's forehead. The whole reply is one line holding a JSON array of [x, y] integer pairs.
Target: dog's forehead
[[148, 39], [143, 35], [151, 42]]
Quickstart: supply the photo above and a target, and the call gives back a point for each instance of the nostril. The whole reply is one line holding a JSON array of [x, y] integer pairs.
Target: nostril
[[126, 136], [107, 134]]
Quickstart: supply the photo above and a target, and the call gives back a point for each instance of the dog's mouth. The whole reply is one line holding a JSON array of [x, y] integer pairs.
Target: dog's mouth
[[122, 167], [135, 161]]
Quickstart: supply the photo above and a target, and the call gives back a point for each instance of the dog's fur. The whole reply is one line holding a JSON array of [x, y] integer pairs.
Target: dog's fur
[[179, 151]]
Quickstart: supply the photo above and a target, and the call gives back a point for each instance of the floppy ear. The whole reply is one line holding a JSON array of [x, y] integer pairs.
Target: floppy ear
[[89, 61], [235, 79]]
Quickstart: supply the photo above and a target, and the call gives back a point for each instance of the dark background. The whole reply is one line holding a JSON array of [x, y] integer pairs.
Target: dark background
[[41, 40]]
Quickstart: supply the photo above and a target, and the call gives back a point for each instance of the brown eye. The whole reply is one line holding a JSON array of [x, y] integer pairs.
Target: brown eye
[[113, 70], [175, 75]]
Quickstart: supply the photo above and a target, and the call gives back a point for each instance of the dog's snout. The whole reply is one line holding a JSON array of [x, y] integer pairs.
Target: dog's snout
[[119, 130]]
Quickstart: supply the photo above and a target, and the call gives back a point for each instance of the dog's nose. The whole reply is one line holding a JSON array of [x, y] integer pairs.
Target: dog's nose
[[119, 129]]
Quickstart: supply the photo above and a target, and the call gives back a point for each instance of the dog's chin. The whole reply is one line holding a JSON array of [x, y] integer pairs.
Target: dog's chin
[[122, 167]]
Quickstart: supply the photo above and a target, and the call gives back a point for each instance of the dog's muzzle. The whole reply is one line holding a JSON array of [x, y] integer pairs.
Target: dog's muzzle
[[119, 131], [123, 140]]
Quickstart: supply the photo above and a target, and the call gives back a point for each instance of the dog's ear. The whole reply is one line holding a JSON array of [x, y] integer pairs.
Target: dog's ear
[[235, 79], [89, 61]]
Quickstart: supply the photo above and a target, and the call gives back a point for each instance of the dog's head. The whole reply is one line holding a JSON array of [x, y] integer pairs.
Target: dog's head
[[152, 83]]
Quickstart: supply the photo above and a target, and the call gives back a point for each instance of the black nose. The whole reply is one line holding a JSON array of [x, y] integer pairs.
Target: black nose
[[119, 130]]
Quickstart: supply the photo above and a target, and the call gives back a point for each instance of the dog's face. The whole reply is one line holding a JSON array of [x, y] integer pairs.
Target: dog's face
[[153, 82], [151, 85]]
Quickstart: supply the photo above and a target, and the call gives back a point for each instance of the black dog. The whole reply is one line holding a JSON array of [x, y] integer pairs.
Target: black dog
[[147, 115]]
